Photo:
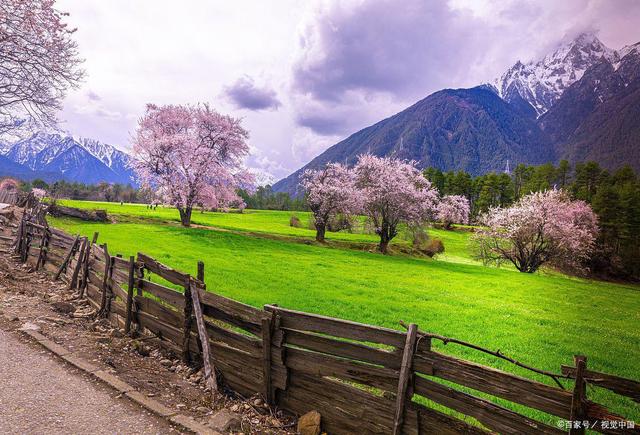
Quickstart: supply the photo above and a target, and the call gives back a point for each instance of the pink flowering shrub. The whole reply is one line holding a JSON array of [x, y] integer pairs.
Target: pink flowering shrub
[[330, 191], [191, 155], [393, 192], [453, 209], [544, 227]]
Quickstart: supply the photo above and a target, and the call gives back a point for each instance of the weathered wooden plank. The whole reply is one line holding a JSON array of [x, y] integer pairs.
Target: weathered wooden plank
[[250, 345], [343, 349], [405, 374], [117, 290], [617, 384], [338, 328], [167, 294], [432, 421], [119, 276], [317, 364], [495, 382], [120, 264], [233, 312], [166, 272], [159, 311], [65, 262], [489, 414], [158, 328]]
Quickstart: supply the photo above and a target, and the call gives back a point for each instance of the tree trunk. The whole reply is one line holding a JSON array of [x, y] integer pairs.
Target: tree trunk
[[185, 216], [321, 229]]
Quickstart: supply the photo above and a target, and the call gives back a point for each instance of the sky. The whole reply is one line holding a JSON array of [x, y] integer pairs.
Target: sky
[[305, 74]]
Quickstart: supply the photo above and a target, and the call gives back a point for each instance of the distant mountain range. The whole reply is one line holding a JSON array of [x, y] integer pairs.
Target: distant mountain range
[[581, 102], [53, 156]]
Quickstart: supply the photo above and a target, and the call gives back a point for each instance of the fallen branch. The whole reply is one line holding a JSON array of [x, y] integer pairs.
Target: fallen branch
[[497, 354]]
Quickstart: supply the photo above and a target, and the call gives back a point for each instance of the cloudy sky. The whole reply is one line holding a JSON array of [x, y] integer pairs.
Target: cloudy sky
[[305, 74]]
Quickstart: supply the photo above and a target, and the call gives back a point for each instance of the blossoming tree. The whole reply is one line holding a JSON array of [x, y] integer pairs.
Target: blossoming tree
[[330, 191], [543, 227], [393, 192], [39, 61], [453, 209], [191, 155]]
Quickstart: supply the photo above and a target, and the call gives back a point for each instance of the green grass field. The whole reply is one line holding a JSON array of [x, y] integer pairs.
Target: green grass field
[[541, 319]]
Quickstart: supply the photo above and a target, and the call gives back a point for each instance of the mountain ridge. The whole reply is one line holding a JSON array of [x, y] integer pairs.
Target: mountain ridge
[[67, 158], [596, 94]]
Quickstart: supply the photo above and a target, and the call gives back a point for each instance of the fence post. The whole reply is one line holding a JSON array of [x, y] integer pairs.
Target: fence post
[[406, 370], [578, 410], [105, 280], [188, 321], [44, 244], [63, 266], [201, 272], [209, 369], [132, 266], [73, 283], [85, 267], [266, 359]]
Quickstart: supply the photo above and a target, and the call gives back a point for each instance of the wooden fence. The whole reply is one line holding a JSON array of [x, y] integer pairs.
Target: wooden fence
[[361, 378]]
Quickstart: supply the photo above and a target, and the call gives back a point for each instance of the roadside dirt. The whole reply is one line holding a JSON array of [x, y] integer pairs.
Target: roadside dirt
[[31, 299]]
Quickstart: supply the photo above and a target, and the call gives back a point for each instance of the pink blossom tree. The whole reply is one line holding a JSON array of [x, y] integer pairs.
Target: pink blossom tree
[[39, 62], [453, 209], [191, 155], [330, 191], [393, 192], [543, 227]]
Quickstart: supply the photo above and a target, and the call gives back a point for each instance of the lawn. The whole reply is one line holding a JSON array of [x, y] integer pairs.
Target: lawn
[[541, 319], [274, 222]]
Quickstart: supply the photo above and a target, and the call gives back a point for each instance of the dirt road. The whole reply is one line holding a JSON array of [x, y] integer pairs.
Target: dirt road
[[40, 395]]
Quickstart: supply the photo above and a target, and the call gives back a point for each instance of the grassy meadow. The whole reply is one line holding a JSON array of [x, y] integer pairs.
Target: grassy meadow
[[541, 319]]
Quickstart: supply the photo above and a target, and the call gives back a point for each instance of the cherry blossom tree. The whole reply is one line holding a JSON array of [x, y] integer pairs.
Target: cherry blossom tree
[[38, 63], [330, 191], [543, 227], [191, 155], [453, 209], [393, 192]]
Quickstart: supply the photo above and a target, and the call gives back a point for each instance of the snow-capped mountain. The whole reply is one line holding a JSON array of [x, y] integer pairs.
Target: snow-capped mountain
[[581, 102], [540, 83], [82, 159]]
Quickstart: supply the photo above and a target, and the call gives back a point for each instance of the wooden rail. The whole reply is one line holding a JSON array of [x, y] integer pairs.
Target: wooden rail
[[361, 378]]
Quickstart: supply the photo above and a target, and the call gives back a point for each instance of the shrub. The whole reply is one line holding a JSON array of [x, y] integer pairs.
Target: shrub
[[434, 247], [340, 222], [294, 221]]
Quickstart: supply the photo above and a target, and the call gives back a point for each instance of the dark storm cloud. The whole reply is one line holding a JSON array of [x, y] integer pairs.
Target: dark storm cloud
[[409, 49], [246, 95], [386, 46]]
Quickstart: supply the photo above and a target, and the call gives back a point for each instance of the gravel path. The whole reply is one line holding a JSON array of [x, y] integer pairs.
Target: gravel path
[[39, 395]]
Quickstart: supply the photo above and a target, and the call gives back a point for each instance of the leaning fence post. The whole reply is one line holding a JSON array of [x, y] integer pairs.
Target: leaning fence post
[[44, 244], [209, 369], [85, 267], [405, 373], [65, 262], [579, 398], [132, 266], [76, 270]]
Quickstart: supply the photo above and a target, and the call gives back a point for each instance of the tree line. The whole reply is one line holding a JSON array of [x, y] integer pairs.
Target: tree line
[[613, 195]]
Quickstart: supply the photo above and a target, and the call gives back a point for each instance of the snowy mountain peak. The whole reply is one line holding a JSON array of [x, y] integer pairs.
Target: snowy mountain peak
[[541, 82], [72, 157]]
